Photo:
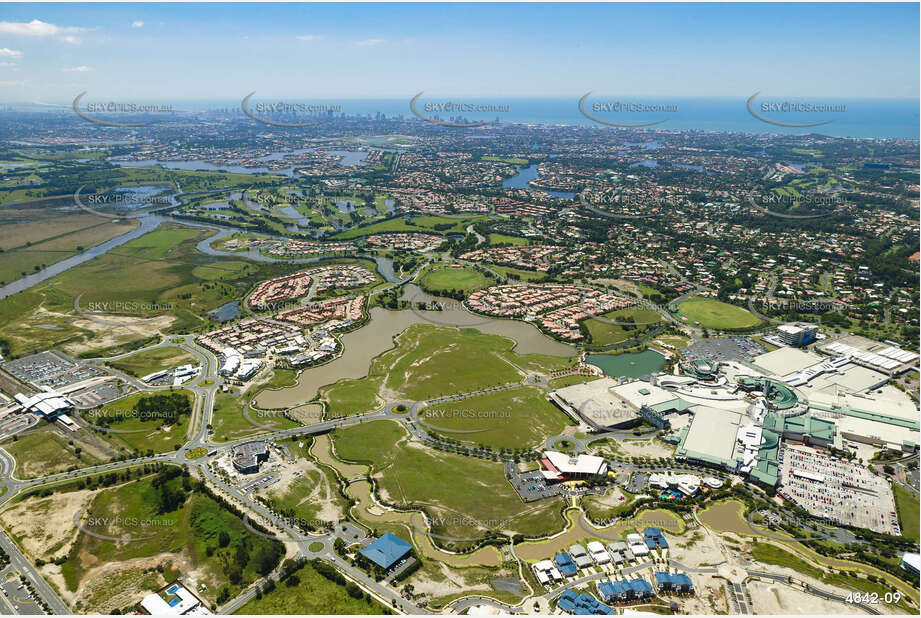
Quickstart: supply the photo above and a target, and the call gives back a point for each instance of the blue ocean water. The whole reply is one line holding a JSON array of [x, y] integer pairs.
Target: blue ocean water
[[863, 118]]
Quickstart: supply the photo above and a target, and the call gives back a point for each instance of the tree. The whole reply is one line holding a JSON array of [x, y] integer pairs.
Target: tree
[[223, 539], [242, 556]]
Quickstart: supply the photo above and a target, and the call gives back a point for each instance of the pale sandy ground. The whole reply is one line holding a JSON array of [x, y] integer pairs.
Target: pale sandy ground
[[110, 586], [322, 494], [45, 526], [710, 598], [780, 599], [112, 330], [613, 497], [453, 582], [696, 548], [645, 448]]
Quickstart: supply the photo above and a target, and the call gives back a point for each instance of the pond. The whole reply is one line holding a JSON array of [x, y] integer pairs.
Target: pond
[[631, 365]]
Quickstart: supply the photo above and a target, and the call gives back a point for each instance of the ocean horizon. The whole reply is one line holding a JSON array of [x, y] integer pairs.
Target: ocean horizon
[[857, 118]]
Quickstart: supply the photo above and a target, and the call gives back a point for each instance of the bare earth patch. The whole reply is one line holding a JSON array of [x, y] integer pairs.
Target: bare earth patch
[[779, 599]]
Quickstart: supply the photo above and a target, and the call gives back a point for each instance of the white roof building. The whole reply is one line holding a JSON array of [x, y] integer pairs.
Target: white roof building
[[232, 360], [637, 545], [48, 402], [579, 465], [688, 484], [183, 602], [599, 554]]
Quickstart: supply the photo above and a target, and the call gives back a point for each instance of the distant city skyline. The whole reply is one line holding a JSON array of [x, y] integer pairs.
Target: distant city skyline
[[216, 52]]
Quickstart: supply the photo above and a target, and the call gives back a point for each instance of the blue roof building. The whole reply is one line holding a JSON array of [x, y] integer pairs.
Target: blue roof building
[[386, 551], [654, 538], [679, 582], [565, 564], [613, 592], [640, 587], [582, 604], [623, 590]]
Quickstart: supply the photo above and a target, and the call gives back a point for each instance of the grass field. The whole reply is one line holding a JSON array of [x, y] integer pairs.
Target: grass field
[[45, 452], [504, 239], [510, 160], [477, 498], [515, 418], [224, 271], [149, 361], [715, 314], [517, 274], [134, 434], [603, 333], [431, 361], [309, 592], [351, 397], [229, 424], [467, 279], [907, 507], [540, 363], [32, 245]]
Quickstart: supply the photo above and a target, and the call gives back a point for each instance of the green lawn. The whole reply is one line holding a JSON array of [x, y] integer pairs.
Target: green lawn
[[510, 160], [540, 363], [351, 397], [281, 379], [229, 423], [431, 361], [226, 270], [446, 278], [309, 592], [144, 363], [603, 333], [464, 496], [370, 443], [515, 418], [715, 314], [504, 239], [517, 274], [906, 504]]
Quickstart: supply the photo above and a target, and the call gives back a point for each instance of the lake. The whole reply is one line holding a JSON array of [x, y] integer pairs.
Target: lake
[[631, 365], [525, 175]]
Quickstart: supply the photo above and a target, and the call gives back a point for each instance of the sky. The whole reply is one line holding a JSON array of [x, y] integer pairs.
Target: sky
[[184, 52]]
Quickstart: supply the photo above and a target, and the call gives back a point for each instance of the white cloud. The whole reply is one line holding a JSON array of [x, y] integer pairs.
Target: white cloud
[[39, 29], [370, 42], [10, 53], [309, 37], [7, 64], [80, 69], [137, 24]]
